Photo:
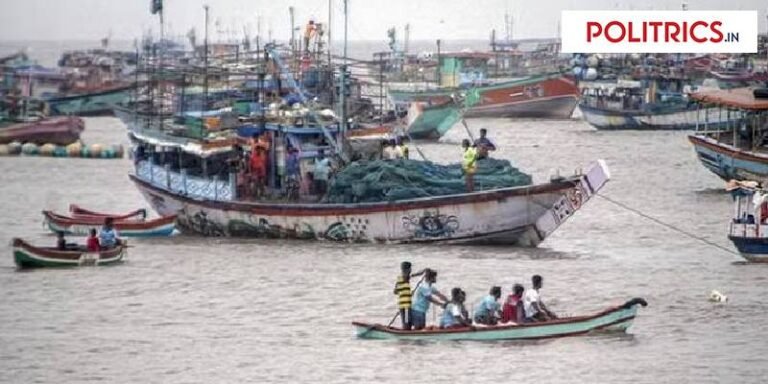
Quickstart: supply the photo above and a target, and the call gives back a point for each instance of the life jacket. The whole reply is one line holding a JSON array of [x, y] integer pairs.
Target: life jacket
[[403, 290]]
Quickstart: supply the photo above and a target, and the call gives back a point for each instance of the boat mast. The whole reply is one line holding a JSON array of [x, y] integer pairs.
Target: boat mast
[[342, 77], [205, 60], [330, 41]]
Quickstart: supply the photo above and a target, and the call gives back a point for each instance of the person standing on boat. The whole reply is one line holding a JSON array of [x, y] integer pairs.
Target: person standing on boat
[[469, 164], [292, 173], [404, 294], [309, 32], [489, 311], [258, 164], [455, 315], [108, 236], [402, 148], [535, 310], [92, 244], [426, 294], [513, 311], [484, 145], [322, 173]]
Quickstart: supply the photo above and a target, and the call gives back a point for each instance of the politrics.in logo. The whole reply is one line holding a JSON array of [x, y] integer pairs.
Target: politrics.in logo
[[659, 31]]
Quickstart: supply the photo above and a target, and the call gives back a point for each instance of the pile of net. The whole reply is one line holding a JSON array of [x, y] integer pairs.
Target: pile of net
[[390, 180]]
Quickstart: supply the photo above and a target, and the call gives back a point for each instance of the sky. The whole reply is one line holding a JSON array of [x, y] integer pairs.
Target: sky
[[368, 19]]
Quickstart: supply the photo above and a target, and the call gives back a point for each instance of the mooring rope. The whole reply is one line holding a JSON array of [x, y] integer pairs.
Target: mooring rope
[[670, 226]]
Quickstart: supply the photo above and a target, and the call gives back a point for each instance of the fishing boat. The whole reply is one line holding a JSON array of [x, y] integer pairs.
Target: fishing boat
[[748, 229], [56, 130], [26, 255], [200, 179], [90, 101], [615, 319], [736, 150], [432, 121], [162, 226], [547, 96], [79, 212], [638, 105]]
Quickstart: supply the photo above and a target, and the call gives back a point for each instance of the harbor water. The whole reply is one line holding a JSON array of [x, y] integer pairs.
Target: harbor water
[[188, 309]]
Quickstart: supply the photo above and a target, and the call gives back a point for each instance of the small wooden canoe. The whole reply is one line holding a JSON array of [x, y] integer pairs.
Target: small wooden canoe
[[162, 226], [612, 319], [79, 212], [26, 255]]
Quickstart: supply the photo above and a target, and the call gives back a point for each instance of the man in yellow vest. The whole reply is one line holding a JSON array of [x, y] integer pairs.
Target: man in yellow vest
[[404, 293], [469, 164]]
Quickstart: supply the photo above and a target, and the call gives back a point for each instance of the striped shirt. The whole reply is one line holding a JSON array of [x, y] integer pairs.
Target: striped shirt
[[403, 291]]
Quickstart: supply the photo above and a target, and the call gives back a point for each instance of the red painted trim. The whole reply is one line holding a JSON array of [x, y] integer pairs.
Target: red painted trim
[[66, 221], [53, 253], [695, 140]]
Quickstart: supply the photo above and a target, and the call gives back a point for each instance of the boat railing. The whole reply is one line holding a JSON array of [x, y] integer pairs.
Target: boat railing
[[214, 188], [751, 230]]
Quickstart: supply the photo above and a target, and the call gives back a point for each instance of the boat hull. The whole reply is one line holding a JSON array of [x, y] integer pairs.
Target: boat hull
[[434, 121], [617, 319], [729, 162], [28, 256], [556, 107], [753, 249], [57, 130], [674, 119], [90, 104], [521, 215], [536, 97], [163, 226]]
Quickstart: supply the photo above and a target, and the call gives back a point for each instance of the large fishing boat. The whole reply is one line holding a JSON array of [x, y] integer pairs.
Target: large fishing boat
[[735, 150], [548, 96], [640, 105]]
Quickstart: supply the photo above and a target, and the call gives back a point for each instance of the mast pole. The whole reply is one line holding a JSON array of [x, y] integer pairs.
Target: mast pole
[[343, 76], [205, 59]]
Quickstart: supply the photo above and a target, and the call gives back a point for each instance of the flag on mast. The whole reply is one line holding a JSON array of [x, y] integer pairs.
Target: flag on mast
[[156, 6]]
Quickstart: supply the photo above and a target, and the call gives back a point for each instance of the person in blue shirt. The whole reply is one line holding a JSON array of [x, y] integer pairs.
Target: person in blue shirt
[[484, 145], [424, 295], [108, 237], [489, 311], [455, 315]]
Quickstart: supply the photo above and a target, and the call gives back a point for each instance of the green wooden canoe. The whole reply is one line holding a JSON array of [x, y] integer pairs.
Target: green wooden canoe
[[28, 256], [612, 319]]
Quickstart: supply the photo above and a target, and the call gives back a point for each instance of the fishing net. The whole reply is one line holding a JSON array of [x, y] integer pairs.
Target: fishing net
[[389, 180]]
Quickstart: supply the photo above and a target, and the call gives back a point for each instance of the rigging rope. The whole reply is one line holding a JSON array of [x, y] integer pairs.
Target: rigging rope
[[670, 226]]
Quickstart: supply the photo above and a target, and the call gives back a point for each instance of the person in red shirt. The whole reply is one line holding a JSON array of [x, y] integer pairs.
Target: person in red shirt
[[93, 242], [258, 163], [513, 307]]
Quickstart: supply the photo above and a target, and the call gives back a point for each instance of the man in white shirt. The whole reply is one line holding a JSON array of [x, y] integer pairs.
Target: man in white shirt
[[535, 310]]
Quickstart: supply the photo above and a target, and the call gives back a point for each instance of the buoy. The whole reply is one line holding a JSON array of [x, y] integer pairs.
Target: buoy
[[29, 149], [47, 149], [60, 151], [74, 150], [117, 149], [717, 297], [95, 150], [14, 148], [4, 150]]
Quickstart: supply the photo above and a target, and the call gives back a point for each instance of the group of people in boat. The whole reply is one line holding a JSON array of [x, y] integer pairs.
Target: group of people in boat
[[471, 153], [520, 306], [106, 238], [254, 170]]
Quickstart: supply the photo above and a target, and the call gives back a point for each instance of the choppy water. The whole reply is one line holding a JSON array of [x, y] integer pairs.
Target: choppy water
[[196, 310]]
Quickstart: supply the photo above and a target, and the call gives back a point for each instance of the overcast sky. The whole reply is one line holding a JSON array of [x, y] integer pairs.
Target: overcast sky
[[368, 19]]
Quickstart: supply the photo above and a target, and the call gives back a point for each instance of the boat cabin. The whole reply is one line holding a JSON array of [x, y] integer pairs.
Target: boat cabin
[[463, 69]]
